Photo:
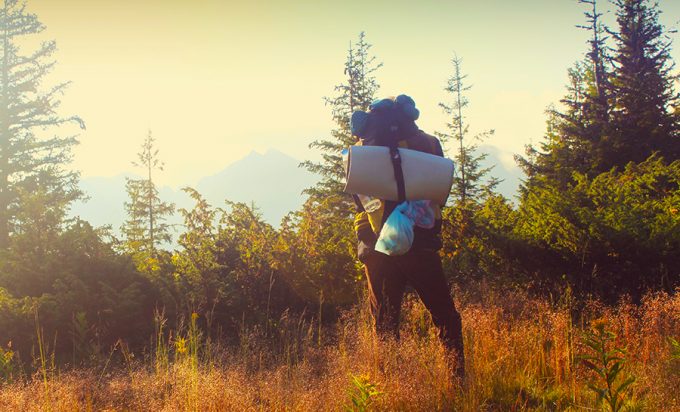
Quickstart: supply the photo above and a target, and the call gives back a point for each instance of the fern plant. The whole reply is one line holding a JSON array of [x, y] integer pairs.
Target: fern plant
[[362, 394], [607, 361]]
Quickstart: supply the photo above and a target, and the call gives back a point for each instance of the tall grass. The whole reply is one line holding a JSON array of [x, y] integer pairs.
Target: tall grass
[[44, 367], [521, 353]]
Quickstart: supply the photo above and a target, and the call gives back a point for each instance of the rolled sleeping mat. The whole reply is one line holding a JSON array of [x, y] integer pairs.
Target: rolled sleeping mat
[[369, 171]]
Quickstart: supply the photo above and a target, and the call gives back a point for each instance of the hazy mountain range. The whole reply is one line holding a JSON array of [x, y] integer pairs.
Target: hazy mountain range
[[273, 181]]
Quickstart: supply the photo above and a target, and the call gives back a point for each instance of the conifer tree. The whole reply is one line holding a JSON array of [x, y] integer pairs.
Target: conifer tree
[[597, 58], [146, 227], [196, 265], [577, 135], [31, 162], [616, 112], [618, 115], [572, 135], [356, 93], [643, 98], [471, 182], [323, 228], [463, 233]]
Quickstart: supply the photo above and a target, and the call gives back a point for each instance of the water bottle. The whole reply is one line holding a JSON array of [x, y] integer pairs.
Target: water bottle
[[370, 204]]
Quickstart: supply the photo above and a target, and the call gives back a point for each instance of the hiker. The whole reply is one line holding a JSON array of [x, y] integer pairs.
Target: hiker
[[391, 122]]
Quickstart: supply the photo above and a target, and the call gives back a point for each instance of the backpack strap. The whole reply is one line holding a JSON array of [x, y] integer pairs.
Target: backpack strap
[[398, 173]]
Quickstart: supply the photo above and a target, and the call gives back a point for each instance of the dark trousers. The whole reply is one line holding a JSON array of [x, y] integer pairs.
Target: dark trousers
[[422, 270]]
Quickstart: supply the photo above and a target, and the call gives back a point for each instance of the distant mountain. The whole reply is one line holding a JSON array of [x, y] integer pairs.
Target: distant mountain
[[504, 168], [272, 181], [106, 197], [104, 204]]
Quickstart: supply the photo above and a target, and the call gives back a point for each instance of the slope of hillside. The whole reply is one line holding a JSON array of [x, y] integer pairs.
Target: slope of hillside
[[273, 181]]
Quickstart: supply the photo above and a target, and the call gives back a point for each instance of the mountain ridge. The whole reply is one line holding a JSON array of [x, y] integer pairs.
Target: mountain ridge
[[272, 180]]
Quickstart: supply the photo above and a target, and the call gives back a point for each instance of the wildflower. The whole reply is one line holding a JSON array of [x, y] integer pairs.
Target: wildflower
[[181, 346]]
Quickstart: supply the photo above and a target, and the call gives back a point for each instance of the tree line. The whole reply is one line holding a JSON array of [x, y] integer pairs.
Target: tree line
[[596, 215]]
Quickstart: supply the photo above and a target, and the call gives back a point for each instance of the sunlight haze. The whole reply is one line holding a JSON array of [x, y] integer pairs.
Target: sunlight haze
[[217, 80]]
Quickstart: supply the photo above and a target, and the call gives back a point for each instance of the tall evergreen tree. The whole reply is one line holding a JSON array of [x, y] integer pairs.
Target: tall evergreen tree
[[618, 113], [356, 93], [597, 58], [30, 161], [197, 268], [618, 109], [572, 134], [472, 181], [146, 227], [464, 231], [323, 228], [643, 98], [577, 134]]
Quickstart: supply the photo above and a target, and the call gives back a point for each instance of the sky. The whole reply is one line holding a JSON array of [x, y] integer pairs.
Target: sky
[[216, 80]]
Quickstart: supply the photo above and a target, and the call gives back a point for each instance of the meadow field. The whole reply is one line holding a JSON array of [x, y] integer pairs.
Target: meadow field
[[522, 354]]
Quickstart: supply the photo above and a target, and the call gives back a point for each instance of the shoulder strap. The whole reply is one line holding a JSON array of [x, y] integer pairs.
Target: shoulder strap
[[357, 203], [398, 173]]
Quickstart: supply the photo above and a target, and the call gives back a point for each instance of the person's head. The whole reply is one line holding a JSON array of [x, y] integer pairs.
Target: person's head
[[387, 121]]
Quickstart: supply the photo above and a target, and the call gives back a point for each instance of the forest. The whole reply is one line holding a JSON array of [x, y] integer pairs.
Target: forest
[[568, 294]]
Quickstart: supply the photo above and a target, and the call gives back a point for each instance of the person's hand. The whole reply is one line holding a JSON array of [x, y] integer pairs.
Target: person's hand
[[365, 252], [366, 246]]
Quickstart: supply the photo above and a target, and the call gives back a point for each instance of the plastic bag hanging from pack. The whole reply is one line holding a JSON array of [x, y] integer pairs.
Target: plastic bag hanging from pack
[[396, 236]]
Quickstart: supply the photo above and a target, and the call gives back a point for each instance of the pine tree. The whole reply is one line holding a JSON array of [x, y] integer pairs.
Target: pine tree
[[146, 227], [30, 161], [572, 135], [618, 114], [356, 93], [463, 233], [597, 58], [323, 228], [196, 265], [618, 109], [471, 183], [578, 135], [642, 81]]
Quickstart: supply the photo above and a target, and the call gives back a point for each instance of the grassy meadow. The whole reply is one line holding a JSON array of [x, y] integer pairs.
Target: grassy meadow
[[522, 354]]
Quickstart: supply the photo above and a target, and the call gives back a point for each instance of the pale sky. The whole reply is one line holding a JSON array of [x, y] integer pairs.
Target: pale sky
[[215, 80]]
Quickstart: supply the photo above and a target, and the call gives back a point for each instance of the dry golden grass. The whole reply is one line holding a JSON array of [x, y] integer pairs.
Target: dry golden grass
[[520, 356]]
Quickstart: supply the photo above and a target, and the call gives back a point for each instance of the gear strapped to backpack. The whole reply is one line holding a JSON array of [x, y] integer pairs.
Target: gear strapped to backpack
[[388, 122], [398, 172], [395, 172]]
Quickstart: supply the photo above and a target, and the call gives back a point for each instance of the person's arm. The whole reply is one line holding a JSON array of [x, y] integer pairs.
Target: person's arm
[[365, 235], [438, 211], [438, 148]]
